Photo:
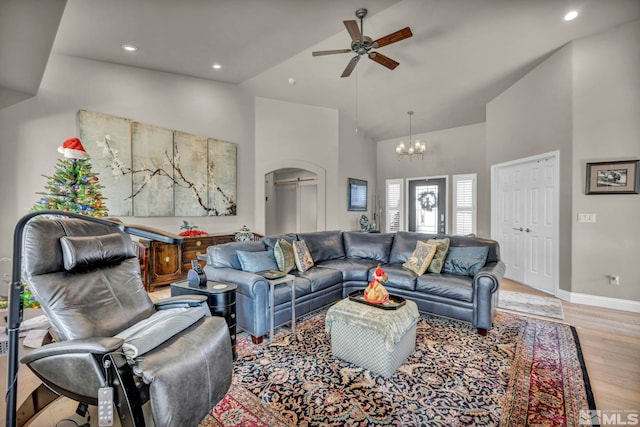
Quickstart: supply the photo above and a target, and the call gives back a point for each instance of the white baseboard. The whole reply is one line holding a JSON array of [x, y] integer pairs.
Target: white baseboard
[[600, 301]]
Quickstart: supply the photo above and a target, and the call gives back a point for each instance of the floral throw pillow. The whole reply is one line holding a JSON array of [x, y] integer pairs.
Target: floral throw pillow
[[302, 256], [420, 258], [438, 259], [283, 251]]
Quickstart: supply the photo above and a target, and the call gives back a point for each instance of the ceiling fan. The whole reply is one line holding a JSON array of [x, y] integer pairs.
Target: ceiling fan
[[361, 44]]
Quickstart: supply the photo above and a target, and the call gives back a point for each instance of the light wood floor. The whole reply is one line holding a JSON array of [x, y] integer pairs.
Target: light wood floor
[[610, 341]]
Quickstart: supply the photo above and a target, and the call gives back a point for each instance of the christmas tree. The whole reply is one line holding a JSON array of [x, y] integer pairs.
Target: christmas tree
[[73, 187]]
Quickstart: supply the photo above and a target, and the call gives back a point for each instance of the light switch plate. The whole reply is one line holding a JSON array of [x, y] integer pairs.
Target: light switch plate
[[586, 217]]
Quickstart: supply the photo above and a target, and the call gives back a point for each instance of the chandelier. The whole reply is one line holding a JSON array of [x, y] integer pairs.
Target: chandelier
[[416, 149]]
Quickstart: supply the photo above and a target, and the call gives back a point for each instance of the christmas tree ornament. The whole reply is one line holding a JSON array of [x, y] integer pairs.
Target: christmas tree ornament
[[72, 149]]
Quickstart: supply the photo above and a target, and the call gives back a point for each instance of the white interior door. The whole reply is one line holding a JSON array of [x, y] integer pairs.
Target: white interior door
[[511, 220], [525, 220], [293, 206], [540, 224]]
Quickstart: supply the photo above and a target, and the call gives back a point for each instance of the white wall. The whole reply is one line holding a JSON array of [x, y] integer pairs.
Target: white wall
[[449, 151], [606, 126], [357, 159], [32, 130], [533, 117], [297, 136]]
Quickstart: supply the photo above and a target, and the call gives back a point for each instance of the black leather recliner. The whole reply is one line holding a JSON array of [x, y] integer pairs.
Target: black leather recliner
[[169, 363]]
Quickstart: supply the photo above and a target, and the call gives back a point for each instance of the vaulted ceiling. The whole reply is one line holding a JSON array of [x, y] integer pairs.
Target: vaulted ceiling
[[462, 54]]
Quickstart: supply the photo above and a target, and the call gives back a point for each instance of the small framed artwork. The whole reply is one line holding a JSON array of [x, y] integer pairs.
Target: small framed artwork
[[357, 195], [620, 177]]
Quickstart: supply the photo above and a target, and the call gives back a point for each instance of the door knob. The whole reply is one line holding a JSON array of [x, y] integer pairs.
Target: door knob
[[519, 229], [527, 230]]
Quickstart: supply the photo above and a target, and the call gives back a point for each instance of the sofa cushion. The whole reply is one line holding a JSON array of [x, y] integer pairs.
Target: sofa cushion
[[224, 255], [446, 286], [270, 241], [403, 245], [373, 246], [282, 293], [465, 261], [324, 245], [352, 269], [399, 278], [420, 258], [285, 256], [257, 261], [321, 277], [438, 259]]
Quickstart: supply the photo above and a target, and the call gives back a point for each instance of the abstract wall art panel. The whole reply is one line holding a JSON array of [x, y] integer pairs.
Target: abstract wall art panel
[[191, 159], [107, 140], [152, 170], [149, 170]]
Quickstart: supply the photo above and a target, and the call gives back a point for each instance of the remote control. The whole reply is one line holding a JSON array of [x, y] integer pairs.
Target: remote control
[[105, 406]]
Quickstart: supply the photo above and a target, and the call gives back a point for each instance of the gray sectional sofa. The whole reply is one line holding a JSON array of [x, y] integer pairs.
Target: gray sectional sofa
[[344, 262]]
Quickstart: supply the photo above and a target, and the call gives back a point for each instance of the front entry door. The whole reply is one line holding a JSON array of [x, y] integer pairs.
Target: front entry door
[[428, 205]]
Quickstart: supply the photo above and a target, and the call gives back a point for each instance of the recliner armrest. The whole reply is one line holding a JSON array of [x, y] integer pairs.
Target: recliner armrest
[[97, 346], [181, 301]]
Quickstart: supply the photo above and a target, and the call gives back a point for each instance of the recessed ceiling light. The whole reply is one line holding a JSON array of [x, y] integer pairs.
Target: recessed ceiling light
[[216, 66], [129, 47], [291, 81], [570, 16]]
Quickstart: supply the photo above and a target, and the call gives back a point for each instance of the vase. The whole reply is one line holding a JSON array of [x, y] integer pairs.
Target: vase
[[244, 235]]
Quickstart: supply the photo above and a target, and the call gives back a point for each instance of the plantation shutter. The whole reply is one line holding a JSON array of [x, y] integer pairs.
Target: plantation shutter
[[394, 205], [464, 204]]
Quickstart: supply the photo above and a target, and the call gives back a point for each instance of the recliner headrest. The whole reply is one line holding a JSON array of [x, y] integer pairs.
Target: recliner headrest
[[86, 251]]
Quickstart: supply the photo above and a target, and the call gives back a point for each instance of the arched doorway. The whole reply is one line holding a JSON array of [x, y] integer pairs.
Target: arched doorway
[[291, 201]]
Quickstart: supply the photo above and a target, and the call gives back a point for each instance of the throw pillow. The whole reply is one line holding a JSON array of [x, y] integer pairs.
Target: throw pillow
[[302, 256], [441, 253], [420, 258], [465, 261], [283, 251], [253, 262]]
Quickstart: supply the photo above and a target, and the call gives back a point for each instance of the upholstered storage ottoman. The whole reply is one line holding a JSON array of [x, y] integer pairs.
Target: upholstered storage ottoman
[[370, 337]]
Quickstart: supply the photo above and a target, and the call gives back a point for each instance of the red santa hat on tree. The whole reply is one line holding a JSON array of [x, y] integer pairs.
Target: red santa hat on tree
[[72, 149]]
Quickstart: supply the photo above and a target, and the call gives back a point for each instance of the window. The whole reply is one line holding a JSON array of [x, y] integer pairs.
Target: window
[[464, 204], [393, 217]]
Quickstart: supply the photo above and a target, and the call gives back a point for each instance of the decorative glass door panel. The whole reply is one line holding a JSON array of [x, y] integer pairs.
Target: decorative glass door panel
[[427, 205]]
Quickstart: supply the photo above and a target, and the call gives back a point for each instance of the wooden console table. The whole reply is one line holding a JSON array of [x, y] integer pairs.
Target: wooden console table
[[165, 263]]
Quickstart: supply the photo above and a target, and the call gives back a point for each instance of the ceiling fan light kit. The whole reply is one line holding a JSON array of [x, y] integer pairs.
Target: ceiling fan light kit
[[363, 45]]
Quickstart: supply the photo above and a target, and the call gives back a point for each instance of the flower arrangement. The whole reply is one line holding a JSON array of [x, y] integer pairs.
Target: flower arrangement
[[190, 230]]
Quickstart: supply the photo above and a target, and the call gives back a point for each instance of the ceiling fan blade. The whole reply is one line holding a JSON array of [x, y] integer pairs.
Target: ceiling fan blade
[[350, 66], [383, 60], [329, 52], [352, 28], [402, 34]]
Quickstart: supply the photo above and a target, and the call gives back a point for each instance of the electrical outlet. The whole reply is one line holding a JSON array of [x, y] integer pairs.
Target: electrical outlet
[[614, 280]]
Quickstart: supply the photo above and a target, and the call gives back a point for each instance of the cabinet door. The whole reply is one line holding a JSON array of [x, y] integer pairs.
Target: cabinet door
[[166, 262]]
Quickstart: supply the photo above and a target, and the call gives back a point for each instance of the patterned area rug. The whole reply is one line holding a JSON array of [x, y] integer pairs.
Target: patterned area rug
[[526, 371], [531, 304]]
